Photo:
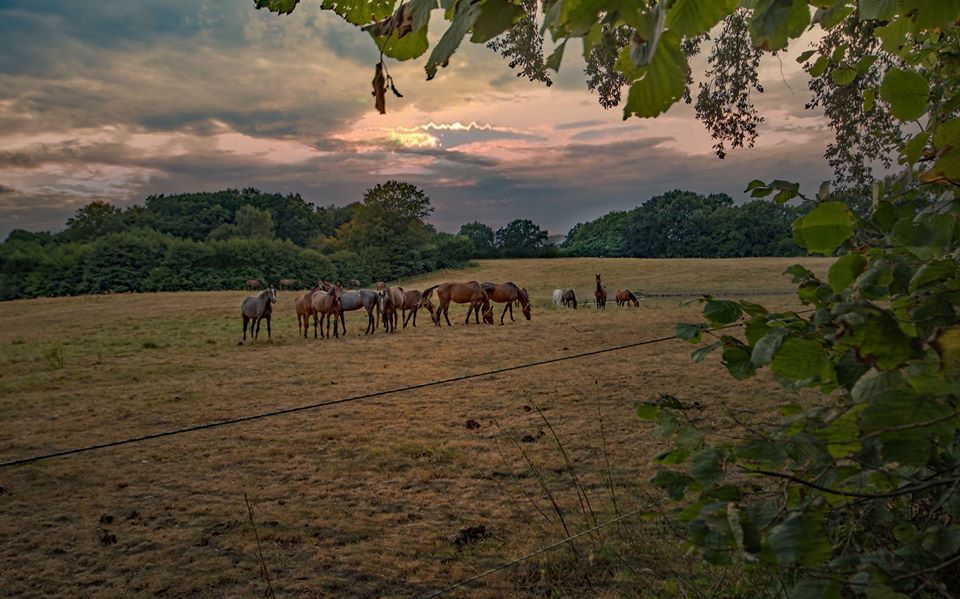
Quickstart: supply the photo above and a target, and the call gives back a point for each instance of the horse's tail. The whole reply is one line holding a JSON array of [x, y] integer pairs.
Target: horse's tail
[[426, 293]]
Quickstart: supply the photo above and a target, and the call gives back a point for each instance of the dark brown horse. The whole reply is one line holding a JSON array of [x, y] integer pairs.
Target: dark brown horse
[[253, 284], [325, 305], [388, 307], [461, 293], [507, 293], [626, 297], [289, 284], [411, 301], [256, 308], [600, 294], [569, 298]]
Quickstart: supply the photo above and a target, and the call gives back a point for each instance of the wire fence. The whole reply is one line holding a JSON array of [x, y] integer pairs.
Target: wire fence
[[324, 404]]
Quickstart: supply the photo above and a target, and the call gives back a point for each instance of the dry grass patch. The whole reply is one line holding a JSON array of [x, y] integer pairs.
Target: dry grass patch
[[359, 499]]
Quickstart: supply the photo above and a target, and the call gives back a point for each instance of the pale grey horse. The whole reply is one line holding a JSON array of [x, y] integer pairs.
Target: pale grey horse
[[354, 300], [255, 308]]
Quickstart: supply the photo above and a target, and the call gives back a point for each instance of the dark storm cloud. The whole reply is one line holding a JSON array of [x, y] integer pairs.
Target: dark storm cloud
[[5, 190]]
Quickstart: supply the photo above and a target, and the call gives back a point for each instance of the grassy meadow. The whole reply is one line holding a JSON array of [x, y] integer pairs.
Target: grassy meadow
[[370, 498]]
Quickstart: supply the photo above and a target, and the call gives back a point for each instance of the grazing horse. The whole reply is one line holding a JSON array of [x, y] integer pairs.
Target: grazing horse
[[325, 305], [255, 308], [253, 284], [625, 297], [412, 300], [303, 305], [353, 284], [508, 293], [462, 293], [600, 294], [558, 297], [354, 300], [569, 298], [289, 284], [388, 308]]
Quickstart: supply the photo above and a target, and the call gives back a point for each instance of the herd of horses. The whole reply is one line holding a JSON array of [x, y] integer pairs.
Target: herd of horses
[[566, 298], [388, 306]]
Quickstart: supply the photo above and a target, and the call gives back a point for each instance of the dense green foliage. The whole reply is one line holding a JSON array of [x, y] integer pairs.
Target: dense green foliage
[[683, 224], [221, 240], [856, 492]]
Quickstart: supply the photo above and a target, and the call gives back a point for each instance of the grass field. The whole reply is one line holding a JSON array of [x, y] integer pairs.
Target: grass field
[[358, 499]]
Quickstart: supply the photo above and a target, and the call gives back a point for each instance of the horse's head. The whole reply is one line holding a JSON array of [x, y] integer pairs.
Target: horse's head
[[426, 303], [487, 312], [526, 311], [271, 295]]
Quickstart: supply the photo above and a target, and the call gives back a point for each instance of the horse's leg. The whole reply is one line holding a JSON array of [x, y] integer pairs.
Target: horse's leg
[[343, 322], [245, 320], [336, 326], [415, 310], [256, 334], [268, 327], [505, 313]]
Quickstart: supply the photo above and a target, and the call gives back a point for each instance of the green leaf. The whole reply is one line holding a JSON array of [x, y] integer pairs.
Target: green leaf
[[907, 93], [880, 10], [674, 483], [721, 312], [946, 343], [692, 17], [799, 359], [908, 425], [360, 12], [283, 7], [736, 357], [869, 99], [805, 56], [878, 340], [825, 227], [774, 22], [828, 18], [843, 75], [409, 46], [689, 332], [843, 434], [465, 14], [931, 14], [673, 456], [819, 67], [801, 539], [496, 16], [698, 355], [913, 149], [648, 411], [663, 80], [707, 466], [933, 272], [894, 35], [556, 57], [846, 270], [767, 347]]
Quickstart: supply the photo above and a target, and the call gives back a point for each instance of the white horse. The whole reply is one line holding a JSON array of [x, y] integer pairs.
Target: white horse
[[558, 297]]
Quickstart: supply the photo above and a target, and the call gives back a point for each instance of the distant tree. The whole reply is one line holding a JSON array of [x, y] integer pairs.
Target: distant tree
[[96, 219], [520, 238], [387, 231], [251, 222], [482, 237]]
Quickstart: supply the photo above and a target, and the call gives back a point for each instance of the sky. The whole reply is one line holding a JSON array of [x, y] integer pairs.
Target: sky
[[118, 99]]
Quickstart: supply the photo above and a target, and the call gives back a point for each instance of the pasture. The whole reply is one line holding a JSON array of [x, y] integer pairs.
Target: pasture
[[378, 497]]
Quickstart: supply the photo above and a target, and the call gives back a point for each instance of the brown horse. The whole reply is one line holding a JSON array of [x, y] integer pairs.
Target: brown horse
[[413, 301], [507, 293], [253, 284], [289, 284], [462, 293], [600, 294], [569, 298], [325, 305], [304, 308], [625, 297]]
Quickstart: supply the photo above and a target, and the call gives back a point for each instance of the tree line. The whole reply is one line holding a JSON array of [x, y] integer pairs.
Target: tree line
[[676, 224], [219, 240]]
